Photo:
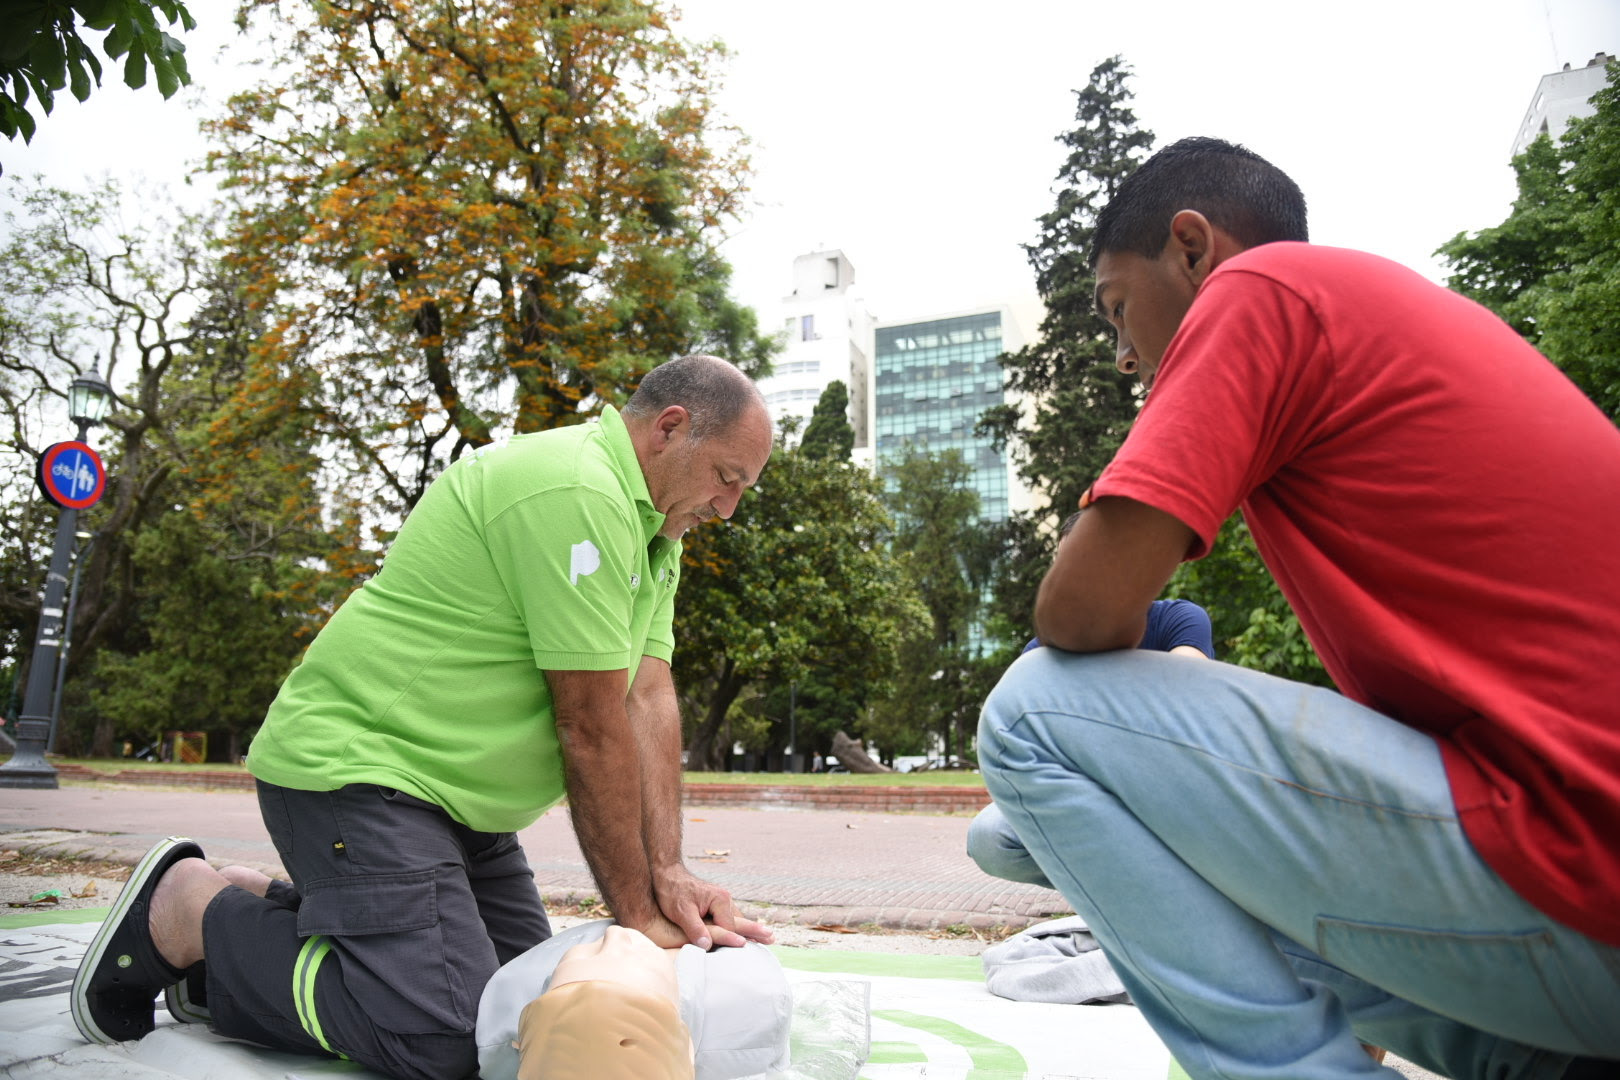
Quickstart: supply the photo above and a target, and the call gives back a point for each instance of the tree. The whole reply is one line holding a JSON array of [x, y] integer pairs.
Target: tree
[[203, 551], [1082, 405], [1552, 268], [44, 52], [797, 588], [465, 217], [830, 434], [1253, 625], [946, 555]]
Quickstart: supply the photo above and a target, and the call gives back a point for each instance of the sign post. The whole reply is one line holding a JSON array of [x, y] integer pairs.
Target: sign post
[[72, 476]]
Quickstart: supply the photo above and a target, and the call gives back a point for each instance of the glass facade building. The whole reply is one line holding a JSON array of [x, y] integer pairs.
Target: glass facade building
[[934, 379]]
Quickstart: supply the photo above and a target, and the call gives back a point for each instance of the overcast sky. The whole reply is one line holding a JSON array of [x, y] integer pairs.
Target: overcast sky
[[917, 135]]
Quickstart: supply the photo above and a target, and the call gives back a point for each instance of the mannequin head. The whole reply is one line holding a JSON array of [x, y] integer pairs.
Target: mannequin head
[[611, 1012]]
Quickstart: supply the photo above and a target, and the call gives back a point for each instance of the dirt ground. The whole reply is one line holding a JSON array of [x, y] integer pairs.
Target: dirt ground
[[92, 884]]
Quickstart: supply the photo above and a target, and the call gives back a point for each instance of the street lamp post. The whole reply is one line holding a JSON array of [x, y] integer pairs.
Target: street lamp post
[[67, 637], [71, 475]]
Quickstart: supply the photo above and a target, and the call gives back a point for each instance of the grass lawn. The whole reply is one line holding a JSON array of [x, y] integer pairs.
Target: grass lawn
[[941, 778]]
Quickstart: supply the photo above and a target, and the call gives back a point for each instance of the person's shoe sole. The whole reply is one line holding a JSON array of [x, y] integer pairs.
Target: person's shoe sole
[[187, 1000], [121, 973]]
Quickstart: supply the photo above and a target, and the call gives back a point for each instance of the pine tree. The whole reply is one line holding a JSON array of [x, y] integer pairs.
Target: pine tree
[[830, 434], [1083, 405]]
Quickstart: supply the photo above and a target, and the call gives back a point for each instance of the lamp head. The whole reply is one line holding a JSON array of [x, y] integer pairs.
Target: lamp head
[[89, 397]]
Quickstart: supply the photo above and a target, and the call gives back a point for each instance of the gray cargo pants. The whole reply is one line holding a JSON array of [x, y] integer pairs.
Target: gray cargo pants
[[397, 917]]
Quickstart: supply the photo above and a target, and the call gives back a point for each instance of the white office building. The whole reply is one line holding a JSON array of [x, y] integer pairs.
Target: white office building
[[826, 333], [1561, 97]]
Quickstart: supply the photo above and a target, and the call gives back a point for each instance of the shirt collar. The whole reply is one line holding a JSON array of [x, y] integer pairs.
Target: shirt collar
[[616, 437]]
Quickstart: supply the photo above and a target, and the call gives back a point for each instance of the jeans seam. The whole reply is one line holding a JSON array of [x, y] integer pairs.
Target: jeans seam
[[1418, 815]]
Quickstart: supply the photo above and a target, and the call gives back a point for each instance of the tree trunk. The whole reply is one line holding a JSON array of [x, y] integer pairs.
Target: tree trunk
[[704, 753], [101, 743], [853, 756]]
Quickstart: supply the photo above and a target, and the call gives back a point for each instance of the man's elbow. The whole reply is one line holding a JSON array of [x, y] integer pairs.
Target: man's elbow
[[1072, 631]]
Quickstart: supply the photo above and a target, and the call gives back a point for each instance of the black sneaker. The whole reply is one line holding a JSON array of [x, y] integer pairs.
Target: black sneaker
[[121, 972]]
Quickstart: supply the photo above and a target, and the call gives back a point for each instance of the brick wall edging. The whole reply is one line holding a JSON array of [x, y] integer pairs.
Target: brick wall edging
[[876, 799]]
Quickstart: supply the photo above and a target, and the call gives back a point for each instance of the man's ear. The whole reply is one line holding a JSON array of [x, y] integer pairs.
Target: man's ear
[[1195, 244], [666, 424]]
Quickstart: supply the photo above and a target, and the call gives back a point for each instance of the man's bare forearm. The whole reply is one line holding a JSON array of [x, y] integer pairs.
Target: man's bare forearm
[[655, 722], [604, 795]]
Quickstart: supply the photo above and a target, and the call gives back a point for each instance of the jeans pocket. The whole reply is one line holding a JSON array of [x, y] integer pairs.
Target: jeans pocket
[[387, 932], [1510, 983]]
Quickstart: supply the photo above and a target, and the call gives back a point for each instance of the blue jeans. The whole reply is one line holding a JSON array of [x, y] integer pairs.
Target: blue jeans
[[1274, 870]]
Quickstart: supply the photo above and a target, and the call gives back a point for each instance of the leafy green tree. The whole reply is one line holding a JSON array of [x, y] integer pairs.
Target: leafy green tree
[[70, 286], [196, 534], [797, 588], [1552, 268], [1253, 625], [42, 51], [1083, 405], [465, 217], [946, 555], [830, 434]]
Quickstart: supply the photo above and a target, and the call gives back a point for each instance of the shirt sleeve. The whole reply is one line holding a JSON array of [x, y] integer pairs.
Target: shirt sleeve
[[1241, 392], [566, 557]]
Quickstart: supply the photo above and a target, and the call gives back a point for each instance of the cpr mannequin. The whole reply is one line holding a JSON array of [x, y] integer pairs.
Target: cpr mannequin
[[600, 1002]]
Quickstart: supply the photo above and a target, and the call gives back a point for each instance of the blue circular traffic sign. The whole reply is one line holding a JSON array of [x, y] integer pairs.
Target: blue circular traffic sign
[[71, 475]]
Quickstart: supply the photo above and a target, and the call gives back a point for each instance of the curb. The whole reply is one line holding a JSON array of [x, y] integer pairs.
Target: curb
[[877, 800], [61, 844]]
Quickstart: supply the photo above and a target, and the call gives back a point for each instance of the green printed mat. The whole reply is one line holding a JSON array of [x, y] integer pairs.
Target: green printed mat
[[931, 1019]]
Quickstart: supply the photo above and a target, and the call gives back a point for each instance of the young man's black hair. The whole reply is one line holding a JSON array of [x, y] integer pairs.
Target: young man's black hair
[[1239, 192]]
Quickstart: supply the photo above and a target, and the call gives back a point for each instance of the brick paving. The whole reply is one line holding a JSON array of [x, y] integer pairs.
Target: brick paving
[[837, 864]]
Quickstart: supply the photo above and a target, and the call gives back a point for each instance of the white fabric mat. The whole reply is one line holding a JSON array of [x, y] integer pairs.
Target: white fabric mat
[[924, 1026]]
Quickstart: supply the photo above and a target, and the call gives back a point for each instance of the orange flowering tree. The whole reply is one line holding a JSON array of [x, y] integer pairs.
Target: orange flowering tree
[[467, 217]]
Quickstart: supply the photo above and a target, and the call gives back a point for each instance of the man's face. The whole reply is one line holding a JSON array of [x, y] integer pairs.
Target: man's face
[[691, 483], [1145, 300]]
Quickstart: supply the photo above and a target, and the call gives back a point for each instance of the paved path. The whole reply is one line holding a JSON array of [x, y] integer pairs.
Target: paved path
[[907, 871]]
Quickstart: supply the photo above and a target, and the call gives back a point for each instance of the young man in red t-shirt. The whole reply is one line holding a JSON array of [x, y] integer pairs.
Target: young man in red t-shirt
[[1430, 862]]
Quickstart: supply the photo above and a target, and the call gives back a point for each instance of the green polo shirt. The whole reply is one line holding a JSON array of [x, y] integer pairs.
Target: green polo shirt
[[541, 555]]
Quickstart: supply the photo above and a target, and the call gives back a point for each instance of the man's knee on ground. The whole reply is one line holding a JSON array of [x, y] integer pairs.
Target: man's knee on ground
[[424, 1057]]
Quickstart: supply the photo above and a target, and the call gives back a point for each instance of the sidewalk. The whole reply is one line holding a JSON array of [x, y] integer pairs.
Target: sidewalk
[[785, 866]]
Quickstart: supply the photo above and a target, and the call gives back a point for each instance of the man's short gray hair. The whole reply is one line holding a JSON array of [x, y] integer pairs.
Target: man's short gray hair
[[713, 392]]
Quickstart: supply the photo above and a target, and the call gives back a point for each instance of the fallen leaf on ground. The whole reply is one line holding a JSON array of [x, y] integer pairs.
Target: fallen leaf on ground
[[851, 826], [716, 851], [834, 928], [50, 896], [88, 891], [697, 819]]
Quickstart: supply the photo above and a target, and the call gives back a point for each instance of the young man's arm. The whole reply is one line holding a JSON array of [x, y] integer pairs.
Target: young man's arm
[[687, 901], [1107, 572]]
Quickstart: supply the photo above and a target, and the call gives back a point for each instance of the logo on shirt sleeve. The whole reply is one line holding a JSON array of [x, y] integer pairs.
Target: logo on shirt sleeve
[[583, 561]]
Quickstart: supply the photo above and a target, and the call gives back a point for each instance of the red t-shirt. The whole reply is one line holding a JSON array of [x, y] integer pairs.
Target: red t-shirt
[[1441, 506]]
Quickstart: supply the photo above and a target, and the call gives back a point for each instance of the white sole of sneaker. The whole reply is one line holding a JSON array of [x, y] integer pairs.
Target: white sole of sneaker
[[177, 999]]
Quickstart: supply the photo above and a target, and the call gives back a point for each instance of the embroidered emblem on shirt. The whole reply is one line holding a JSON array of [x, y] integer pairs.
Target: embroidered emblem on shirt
[[583, 560]]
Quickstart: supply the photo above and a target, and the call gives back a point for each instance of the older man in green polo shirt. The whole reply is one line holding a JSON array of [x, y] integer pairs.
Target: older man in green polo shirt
[[514, 648]]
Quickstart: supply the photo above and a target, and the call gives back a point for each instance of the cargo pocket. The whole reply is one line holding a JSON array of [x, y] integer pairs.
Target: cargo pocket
[[385, 934]]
